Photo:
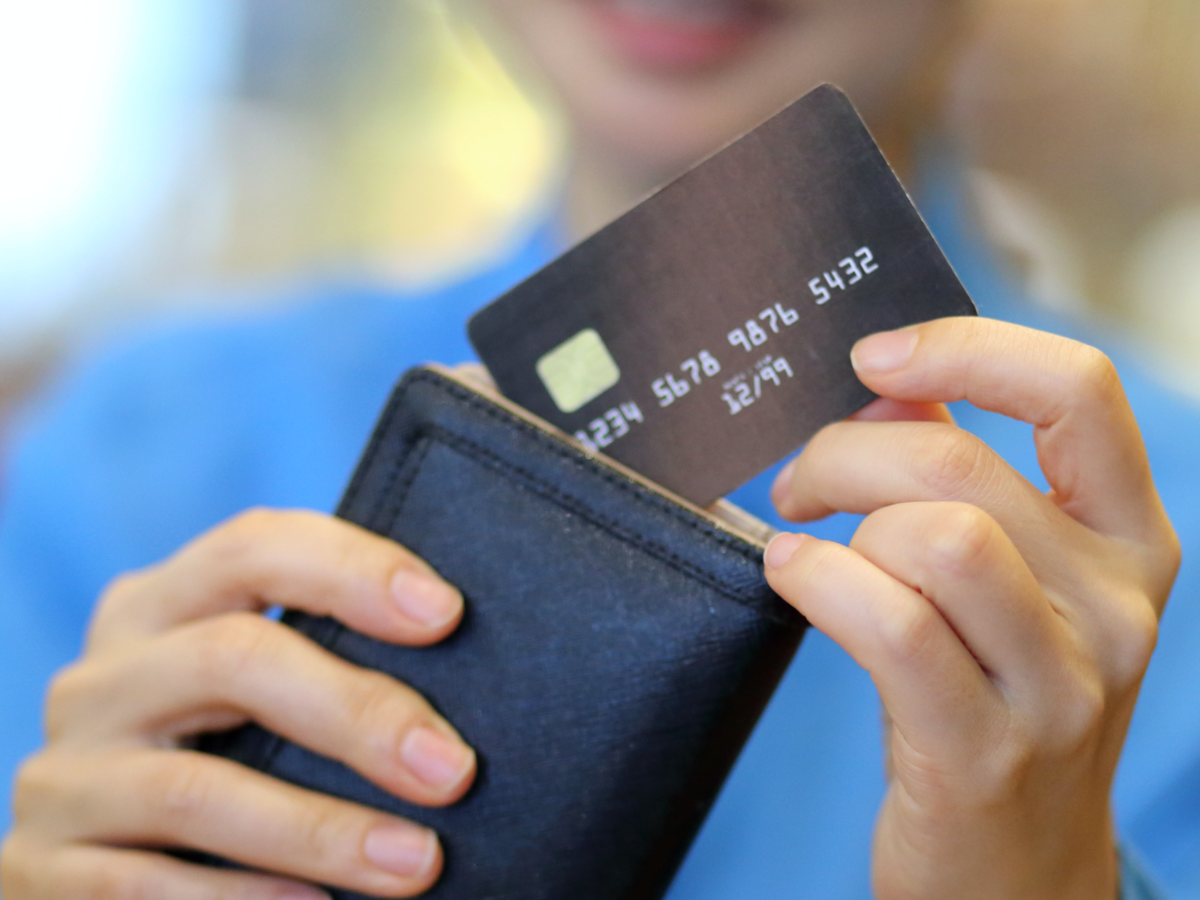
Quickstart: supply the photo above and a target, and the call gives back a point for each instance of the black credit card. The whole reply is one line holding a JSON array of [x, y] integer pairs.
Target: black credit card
[[705, 334]]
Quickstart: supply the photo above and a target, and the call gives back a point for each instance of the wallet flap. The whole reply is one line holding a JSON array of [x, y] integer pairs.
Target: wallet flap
[[432, 403]]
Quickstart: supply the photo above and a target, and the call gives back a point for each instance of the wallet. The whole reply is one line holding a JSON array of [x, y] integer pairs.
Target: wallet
[[617, 647]]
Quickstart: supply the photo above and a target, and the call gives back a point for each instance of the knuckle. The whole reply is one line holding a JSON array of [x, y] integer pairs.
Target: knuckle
[[34, 787], [823, 450], [67, 688], [18, 872], [1011, 766], [363, 558], [1080, 717], [1136, 636], [180, 789], [1142, 630], [228, 645], [1174, 552], [320, 834], [1095, 375], [238, 537], [948, 461], [829, 435], [377, 705], [255, 519], [908, 632], [823, 567], [119, 587], [116, 596], [1171, 549], [959, 537]]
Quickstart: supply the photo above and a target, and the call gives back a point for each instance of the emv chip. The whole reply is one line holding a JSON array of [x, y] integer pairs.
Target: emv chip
[[578, 370]]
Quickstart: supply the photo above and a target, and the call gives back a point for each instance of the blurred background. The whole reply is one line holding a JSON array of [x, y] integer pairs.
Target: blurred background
[[164, 155], [158, 155]]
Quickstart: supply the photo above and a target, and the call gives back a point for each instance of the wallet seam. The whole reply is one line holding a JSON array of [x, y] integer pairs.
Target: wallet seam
[[370, 453], [478, 453], [426, 428], [334, 634], [556, 446], [414, 460]]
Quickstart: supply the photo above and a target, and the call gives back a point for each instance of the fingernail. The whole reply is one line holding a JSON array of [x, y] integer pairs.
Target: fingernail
[[884, 352], [436, 758], [783, 481], [424, 598], [401, 849], [782, 548]]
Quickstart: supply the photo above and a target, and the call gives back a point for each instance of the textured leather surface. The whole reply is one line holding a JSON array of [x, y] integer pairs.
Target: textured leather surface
[[616, 650]]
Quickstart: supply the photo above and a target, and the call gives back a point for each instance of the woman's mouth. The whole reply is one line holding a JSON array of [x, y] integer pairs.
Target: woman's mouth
[[681, 35]]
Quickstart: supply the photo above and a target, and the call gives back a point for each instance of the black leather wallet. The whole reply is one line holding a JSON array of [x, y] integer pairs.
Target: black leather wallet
[[617, 648]]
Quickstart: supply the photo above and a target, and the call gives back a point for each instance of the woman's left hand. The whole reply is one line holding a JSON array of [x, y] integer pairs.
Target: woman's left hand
[[1007, 629]]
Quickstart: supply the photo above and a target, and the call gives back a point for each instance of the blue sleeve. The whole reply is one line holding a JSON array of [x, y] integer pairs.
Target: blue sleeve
[[49, 549], [166, 435], [69, 522], [1136, 883], [135, 455]]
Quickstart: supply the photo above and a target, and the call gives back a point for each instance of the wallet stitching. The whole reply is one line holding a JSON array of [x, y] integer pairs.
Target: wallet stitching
[[555, 446], [457, 442], [372, 451], [277, 743], [402, 488], [548, 442], [397, 506], [478, 453]]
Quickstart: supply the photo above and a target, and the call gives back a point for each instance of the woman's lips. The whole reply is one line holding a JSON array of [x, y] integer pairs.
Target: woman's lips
[[681, 34]]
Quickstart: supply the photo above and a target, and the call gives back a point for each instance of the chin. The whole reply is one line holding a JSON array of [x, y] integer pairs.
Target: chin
[[659, 84]]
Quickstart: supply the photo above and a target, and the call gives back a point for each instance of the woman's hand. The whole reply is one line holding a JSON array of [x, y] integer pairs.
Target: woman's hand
[[1006, 629], [181, 648]]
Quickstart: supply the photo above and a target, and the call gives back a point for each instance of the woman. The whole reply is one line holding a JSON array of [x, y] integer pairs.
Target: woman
[[1006, 630]]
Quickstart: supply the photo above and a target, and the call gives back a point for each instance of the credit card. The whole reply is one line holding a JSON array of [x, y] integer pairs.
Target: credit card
[[706, 333]]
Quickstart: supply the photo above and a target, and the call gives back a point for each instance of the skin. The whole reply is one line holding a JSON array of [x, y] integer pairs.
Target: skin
[[634, 126], [1007, 631], [180, 649]]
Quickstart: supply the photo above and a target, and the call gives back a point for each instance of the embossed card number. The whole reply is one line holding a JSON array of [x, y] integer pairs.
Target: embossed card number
[[706, 333]]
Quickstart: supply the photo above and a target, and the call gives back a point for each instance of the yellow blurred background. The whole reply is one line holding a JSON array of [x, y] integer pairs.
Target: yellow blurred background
[[163, 155]]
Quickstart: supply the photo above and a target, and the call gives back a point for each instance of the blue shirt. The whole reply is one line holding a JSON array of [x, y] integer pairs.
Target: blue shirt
[[169, 434]]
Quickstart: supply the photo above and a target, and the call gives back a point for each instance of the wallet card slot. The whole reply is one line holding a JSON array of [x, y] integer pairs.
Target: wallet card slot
[[750, 593], [449, 410], [719, 529]]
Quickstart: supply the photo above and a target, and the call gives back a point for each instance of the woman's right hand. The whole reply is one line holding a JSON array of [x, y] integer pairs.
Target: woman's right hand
[[182, 648]]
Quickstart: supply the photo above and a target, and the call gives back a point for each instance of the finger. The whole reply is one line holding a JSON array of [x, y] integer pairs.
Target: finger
[[934, 690], [80, 872], [860, 467], [959, 559], [296, 559], [219, 672], [882, 409], [1089, 446], [885, 409], [173, 798]]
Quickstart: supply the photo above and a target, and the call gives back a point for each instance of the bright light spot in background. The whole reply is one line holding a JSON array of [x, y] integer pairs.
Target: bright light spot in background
[[59, 72], [97, 101]]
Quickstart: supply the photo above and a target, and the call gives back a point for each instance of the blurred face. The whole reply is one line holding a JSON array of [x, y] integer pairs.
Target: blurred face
[[656, 84]]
